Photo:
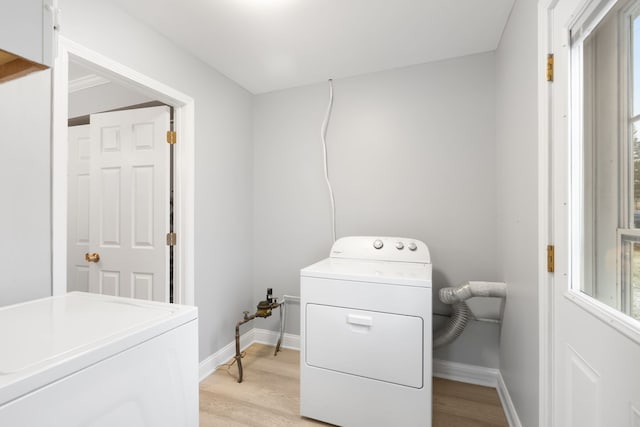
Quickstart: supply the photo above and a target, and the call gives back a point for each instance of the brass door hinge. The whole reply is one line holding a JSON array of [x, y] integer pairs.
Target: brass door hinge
[[171, 137], [171, 239], [550, 67], [551, 258]]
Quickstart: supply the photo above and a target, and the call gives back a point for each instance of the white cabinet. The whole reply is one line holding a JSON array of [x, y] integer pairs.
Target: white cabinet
[[27, 28]]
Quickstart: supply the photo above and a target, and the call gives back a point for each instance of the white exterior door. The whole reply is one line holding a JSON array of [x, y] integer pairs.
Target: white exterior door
[[593, 373], [128, 205]]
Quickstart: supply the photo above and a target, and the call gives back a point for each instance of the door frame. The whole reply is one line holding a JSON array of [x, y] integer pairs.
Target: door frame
[[545, 214], [184, 161]]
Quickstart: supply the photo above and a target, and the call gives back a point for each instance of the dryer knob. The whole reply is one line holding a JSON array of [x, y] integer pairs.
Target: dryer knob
[[412, 246], [378, 244], [399, 246]]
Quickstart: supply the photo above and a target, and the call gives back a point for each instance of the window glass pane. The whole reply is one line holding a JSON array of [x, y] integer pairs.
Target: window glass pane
[[635, 53], [630, 274], [601, 185], [635, 141], [634, 293]]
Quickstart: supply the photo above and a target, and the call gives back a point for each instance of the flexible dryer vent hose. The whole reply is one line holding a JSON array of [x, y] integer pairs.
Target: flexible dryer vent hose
[[456, 296]]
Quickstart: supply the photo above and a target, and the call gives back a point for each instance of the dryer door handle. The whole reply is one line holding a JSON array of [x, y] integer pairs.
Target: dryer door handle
[[355, 319]]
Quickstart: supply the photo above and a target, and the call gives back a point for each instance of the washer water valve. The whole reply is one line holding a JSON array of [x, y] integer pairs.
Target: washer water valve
[[264, 310]]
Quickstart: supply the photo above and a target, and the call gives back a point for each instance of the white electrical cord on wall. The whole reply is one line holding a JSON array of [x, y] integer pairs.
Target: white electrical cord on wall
[[323, 135]]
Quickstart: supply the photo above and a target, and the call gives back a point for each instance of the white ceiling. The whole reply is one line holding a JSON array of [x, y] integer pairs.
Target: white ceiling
[[266, 45]]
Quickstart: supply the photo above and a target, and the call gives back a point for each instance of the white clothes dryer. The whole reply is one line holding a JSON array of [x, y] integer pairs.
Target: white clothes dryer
[[366, 334]]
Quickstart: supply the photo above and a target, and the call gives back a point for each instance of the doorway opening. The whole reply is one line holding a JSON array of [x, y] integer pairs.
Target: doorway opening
[[79, 69]]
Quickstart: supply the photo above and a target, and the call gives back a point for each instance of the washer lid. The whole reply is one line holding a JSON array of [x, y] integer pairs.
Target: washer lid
[[46, 339], [392, 273]]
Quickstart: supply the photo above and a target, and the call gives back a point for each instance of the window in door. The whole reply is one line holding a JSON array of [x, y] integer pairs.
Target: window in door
[[606, 159]]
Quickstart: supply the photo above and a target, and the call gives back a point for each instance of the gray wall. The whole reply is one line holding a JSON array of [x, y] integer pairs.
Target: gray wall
[[25, 252], [223, 169], [411, 153], [517, 161]]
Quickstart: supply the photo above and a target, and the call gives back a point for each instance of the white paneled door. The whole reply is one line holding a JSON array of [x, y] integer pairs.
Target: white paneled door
[[78, 214], [119, 204]]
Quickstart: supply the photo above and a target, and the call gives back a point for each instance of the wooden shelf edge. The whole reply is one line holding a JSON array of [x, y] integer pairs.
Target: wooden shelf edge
[[13, 66]]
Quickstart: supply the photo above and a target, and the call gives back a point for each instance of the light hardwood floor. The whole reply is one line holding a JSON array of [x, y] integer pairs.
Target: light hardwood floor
[[269, 396]]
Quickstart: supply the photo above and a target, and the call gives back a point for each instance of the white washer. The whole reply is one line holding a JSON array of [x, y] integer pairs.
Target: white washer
[[366, 334], [80, 360]]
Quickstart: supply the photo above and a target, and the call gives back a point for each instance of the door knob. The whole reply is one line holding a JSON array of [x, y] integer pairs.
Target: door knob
[[94, 257]]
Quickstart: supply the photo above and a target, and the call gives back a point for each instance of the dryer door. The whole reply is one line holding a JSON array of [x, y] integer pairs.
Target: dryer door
[[381, 346]]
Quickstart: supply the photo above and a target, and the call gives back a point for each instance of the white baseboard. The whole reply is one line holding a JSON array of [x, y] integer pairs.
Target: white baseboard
[[211, 363], [479, 375], [507, 404], [472, 374], [462, 372], [255, 335], [265, 336]]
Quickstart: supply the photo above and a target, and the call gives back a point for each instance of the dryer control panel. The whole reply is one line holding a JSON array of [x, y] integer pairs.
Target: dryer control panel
[[395, 249]]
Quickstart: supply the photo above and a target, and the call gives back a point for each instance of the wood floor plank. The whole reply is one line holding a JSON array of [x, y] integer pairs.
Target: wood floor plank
[[473, 392], [480, 405], [269, 396]]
